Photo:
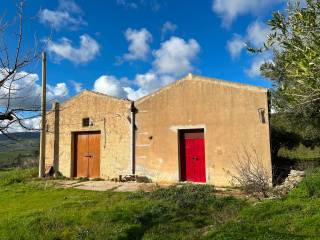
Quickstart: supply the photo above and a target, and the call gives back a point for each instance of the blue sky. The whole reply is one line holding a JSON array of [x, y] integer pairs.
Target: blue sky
[[128, 48]]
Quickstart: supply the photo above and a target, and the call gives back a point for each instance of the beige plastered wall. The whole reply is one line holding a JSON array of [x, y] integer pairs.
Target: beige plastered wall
[[228, 113]]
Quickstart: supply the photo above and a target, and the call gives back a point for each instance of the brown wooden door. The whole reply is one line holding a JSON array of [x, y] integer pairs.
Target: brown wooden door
[[87, 154]]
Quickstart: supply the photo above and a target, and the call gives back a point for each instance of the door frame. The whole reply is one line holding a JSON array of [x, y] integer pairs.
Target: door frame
[[180, 135], [74, 149]]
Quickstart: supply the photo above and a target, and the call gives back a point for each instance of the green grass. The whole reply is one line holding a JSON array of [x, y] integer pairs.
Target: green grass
[[301, 153], [33, 209], [11, 156], [295, 217]]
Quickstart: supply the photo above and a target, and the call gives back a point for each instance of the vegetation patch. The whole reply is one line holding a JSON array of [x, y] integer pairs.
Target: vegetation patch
[[16, 175], [33, 209], [293, 217]]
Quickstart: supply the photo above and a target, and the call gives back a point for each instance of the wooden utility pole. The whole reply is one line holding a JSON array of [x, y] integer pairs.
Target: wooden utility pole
[[43, 118]]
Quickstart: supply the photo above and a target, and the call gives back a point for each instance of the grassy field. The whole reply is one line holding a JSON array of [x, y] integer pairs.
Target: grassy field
[[33, 209]]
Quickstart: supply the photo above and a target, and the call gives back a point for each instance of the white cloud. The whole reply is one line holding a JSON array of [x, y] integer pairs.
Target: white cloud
[[77, 86], [30, 124], [58, 91], [109, 85], [154, 5], [254, 70], [67, 15], [235, 45], [256, 35], [175, 55], [127, 4], [112, 86], [139, 41], [229, 10], [147, 83], [26, 91], [25, 96], [172, 60], [150, 83], [148, 80], [168, 27], [135, 94], [63, 49], [70, 6]]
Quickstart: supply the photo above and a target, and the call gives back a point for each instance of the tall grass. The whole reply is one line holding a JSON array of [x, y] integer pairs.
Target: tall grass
[[310, 186], [16, 175]]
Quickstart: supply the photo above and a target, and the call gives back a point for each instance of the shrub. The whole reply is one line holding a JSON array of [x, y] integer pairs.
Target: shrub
[[186, 195], [251, 175]]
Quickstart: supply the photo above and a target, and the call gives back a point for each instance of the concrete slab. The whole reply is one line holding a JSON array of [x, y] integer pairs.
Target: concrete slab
[[134, 187], [108, 185]]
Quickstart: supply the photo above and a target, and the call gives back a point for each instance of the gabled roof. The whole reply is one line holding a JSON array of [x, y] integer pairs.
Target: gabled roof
[[96, 93], [191, 77], [105, 95]]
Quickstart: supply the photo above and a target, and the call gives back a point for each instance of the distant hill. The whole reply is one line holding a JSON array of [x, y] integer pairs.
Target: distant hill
[[21, 136], [21, 148]]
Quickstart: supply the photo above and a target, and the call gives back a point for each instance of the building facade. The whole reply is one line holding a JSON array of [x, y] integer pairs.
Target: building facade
[[88, 136], [195, 129]]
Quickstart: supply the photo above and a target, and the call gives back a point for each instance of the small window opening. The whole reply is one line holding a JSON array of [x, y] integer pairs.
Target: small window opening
[[262, 115], [86, 122]]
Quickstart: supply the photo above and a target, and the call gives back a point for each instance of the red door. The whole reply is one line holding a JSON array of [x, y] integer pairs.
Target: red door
[[192, 156]]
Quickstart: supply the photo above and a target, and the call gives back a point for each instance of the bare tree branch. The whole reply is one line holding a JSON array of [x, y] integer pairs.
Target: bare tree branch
[[13, 75]]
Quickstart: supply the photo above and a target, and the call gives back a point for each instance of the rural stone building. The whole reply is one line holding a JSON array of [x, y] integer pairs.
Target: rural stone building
[[194, 129]]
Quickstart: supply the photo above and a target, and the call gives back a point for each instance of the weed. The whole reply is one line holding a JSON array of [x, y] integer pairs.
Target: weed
[[83, 179], [186, 195], [83, 234]]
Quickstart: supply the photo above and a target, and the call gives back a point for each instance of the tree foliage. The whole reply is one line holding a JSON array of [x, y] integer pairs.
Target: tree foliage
[[295, 68]]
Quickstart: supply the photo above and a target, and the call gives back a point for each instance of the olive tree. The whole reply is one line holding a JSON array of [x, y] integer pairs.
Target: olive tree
[[294, 42]]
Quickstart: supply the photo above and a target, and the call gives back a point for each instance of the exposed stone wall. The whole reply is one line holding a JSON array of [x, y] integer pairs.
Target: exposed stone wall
[[109, 116], [293, 179], [228, 113]]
